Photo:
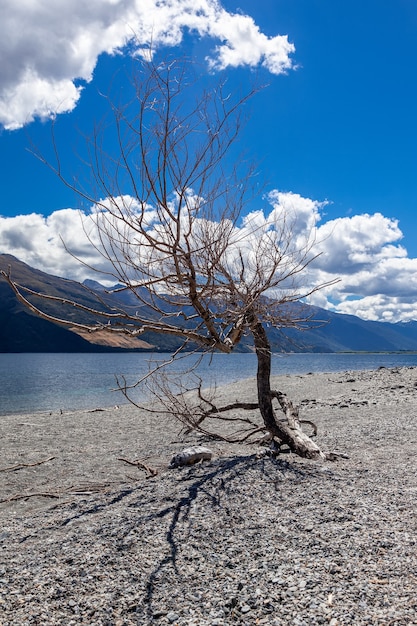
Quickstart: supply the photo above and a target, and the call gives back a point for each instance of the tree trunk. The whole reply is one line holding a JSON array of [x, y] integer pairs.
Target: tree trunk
[[288, 431]]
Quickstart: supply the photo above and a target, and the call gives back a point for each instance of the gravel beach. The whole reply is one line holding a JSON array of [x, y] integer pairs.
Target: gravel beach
[[87, 537]]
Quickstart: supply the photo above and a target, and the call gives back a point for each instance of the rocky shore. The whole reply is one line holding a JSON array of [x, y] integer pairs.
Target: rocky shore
[[91, 534]]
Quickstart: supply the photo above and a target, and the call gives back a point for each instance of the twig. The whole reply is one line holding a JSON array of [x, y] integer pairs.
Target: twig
[[22, 465], [140, 465], [81, 490], [24, 496]]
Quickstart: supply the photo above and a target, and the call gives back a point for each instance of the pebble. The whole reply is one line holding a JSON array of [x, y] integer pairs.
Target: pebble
[[242, 540], [172, 617]]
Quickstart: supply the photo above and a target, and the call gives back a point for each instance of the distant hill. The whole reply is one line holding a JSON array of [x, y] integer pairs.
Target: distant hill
[[348, 333], [22, 331]]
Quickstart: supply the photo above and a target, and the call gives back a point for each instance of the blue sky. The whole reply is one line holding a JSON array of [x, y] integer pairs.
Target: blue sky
[[335, 130]]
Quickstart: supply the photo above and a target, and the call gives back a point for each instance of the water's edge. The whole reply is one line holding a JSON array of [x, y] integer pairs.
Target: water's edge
[[32, 383]]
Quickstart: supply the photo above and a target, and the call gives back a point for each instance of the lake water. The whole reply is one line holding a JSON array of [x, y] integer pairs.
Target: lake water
[[53, 382]]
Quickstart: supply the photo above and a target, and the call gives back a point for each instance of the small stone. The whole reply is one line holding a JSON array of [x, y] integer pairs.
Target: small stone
[[172, 617], [245, 608]]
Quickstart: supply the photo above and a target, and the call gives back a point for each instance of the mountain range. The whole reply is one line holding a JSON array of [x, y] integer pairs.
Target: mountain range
[[23, 331]]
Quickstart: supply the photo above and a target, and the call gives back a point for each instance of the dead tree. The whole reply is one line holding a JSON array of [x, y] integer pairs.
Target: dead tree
[[169, 223]]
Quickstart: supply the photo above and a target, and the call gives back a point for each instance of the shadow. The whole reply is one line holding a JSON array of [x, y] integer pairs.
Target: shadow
[[170, 496], [80, 513], [120, 495], [216, 481]]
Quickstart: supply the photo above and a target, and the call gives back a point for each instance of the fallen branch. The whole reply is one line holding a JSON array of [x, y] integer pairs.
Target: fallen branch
[[289, 431], [291, 412], [151, 471], [22, 465], [87, 488]]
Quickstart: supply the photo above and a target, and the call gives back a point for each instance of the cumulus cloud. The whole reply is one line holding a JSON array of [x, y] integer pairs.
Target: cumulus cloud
[[354, 243], [47, 48], [38, 241], [246, 45], [301, 214], [378, 280]]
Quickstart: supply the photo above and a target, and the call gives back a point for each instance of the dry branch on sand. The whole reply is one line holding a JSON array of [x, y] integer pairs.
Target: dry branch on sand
[[140, 465], [19, 466]]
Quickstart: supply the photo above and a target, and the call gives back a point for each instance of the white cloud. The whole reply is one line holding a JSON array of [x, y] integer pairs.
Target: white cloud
[[38, 241], [378, 281], [246, 45], [302, 214], [381, 307], [46, 46], [354, 243]]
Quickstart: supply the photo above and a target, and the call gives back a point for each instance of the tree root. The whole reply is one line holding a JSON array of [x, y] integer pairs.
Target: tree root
[[312, 424]]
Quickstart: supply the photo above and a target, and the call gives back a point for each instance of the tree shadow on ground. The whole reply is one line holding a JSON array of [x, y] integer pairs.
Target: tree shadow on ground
[[170, 496], [214, 480]]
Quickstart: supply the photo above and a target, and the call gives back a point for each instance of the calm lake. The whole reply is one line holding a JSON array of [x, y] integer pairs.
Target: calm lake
[[53, 382]]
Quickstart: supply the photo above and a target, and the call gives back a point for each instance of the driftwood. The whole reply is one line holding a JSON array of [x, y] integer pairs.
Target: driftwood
[[190, 456], [284, 431], [291, 433]]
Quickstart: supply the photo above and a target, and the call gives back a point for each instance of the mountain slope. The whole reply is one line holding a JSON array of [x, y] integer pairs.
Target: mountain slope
[[342, 333], [21, 331]]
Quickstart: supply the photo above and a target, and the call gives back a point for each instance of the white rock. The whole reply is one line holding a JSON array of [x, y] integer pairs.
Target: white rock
[[191, 455]]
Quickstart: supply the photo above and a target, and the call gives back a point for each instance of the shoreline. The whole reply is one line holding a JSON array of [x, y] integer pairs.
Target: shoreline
[[243, 539], [122, 402], [50, 383], [85, 443]]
